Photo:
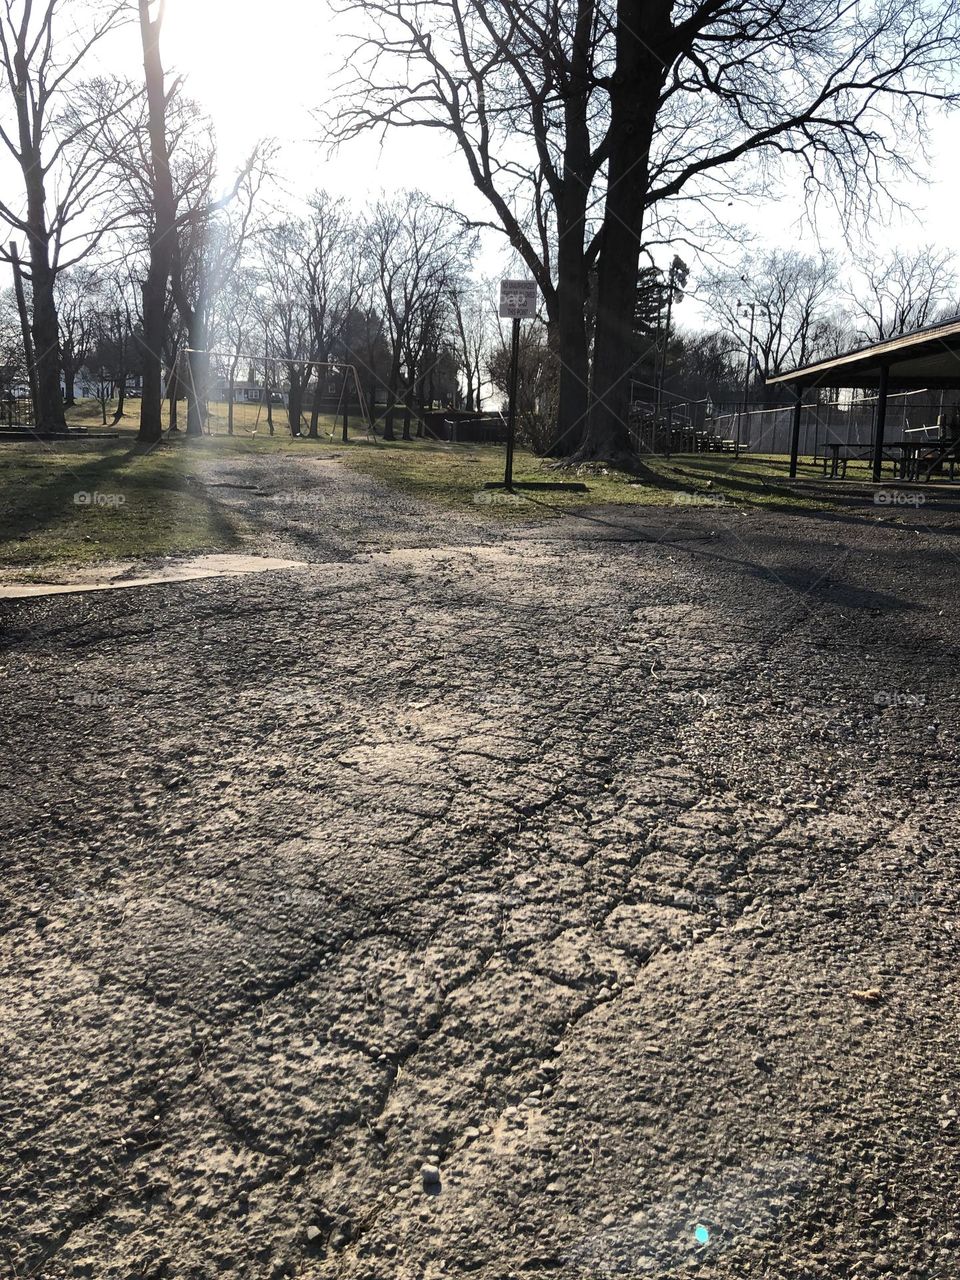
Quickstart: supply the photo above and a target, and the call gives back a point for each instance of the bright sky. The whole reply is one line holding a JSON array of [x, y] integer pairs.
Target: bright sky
[[256, 80], [261, 68]]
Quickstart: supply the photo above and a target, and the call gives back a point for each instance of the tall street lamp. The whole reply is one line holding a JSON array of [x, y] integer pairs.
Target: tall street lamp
[[746, 373]]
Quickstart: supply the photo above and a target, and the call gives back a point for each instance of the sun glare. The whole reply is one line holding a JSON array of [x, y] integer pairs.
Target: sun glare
[[246, 69]]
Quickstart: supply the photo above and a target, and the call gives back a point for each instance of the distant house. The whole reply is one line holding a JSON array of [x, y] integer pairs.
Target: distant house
[[88, 385], [245, 392]]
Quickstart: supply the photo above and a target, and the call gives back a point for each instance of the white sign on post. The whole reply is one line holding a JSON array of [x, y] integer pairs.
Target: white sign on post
[[518, 299]]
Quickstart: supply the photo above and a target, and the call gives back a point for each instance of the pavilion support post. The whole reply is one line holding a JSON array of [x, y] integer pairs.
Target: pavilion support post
[[881, 421], [795, 435]]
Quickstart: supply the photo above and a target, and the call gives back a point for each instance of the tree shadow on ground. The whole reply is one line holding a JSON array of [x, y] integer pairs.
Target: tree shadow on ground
[[127, 501]]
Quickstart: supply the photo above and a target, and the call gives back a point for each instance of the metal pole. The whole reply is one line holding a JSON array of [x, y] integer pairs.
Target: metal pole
[[795, 438], [746, 376], [662, 377], [512, 404], [880, 422]]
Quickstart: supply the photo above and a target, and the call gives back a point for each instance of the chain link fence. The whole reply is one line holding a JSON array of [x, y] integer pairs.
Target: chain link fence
[[16, 409], [911, 416]]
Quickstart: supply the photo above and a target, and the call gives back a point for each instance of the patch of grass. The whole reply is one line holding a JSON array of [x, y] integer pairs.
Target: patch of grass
[[104, 500], [454, 476], [143, 500]]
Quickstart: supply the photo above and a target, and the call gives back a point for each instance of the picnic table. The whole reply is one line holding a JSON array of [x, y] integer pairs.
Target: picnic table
[[919, 458], [909, 459], [836, 455]]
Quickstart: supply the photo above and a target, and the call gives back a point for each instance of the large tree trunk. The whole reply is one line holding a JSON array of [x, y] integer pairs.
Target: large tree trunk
[[121, 396], [643, 26], [69, 379], [46, 334], [162, 235], [48, 408], [196, 391], [571, 325], [152, 335], [608, 436], [573, 381]]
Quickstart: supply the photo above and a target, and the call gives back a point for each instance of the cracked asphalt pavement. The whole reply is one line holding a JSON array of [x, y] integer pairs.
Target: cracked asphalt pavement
[[571, 900]]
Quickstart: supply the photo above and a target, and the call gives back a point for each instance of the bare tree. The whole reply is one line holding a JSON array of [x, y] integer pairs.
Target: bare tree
[[235, 325], [111, 349], [331, 275], [698, 92], [158, 152], [902, 291], [211, 239], [163, 216], [793, 299], [285, 290], [471, 315], [43, 48], [363, 340], [416, 249], [679, 101], [518, 85], [191, 238], [75, 294]]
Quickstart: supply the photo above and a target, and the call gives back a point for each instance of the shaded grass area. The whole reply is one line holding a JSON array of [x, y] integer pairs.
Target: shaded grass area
[[454, 476], [106, 500], [80, 501]]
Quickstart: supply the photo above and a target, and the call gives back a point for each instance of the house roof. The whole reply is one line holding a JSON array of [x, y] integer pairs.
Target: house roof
[[927, 357]]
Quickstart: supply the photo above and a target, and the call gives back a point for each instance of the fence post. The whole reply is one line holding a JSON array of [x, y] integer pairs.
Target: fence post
[[795, 437], [880, 421]]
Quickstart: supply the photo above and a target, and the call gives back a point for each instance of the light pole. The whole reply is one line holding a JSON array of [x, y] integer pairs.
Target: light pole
[[746, 374]]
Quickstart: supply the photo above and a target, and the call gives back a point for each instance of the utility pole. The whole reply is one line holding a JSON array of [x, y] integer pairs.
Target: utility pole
[[512, 402], [746, 377], [662, 377]]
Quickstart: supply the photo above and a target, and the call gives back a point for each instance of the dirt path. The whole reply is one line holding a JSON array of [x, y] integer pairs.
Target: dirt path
[[577, 901]]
